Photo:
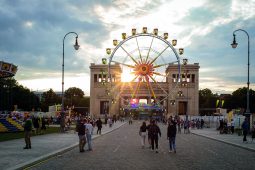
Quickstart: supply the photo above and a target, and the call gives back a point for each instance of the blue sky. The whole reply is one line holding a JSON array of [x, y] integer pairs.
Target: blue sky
[[32, 31]]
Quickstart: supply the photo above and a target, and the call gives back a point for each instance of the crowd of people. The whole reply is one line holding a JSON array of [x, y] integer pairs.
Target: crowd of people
[[176, 124], [226, 127], [85, 130], [153, 132], [187, 124], [86, 125]]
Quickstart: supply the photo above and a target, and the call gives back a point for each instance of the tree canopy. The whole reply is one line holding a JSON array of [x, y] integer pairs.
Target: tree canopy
[[74, 91], [49, 98], [14, 96], [236, 100]]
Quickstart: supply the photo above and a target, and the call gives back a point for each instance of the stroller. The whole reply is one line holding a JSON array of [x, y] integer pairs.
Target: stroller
[[224, 129]]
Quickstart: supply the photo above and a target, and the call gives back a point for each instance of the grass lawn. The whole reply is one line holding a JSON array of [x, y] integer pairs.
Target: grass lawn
[[18, 135]]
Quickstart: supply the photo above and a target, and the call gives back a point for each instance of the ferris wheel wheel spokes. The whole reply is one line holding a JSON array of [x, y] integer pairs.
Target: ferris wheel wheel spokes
[[158, 55], [146, 63], [129, 54], [138, 49], [149, 50]]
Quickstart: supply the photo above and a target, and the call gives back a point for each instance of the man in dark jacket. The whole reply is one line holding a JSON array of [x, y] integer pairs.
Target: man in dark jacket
[[245, 127], [27, 131], [81, 133], [155, 132], [99, 126], [149, 133], [171, 134]]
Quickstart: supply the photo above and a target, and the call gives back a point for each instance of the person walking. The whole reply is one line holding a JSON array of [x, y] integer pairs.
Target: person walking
[[142, 133], [179, 125], [171, 134], [43, 127], [110, 122], [232, 126], [99, 126], [186, 126], [253, 131], [105, 120], [130, 120], [89, 130], [35, 121], [27, 131], [202, 123], [155, 133], [149, 133], [81, 133], [245, 127]]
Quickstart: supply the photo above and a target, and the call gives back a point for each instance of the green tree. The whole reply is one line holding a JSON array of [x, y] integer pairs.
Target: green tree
[[12, 94], [49, 98], [239, 99], [74, 96], [205, 93], [74, 91], [207, 101], [84, 102]]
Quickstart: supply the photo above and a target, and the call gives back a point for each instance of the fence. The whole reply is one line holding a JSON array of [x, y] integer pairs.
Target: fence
[[214, 121]]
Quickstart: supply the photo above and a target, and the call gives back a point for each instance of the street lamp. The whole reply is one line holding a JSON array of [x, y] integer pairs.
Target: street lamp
[[76, 47], [234, 45], [185, 84]]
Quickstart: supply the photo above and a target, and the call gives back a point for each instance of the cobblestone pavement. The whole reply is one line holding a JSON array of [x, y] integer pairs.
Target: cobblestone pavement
[[121, 149]]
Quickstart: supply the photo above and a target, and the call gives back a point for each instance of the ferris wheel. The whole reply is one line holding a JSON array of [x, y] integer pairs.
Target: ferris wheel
[[144, 58]]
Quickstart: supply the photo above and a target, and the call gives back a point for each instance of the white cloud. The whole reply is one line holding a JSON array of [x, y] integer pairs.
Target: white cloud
[[106, 21], [218, 84], [55, 83], [243, 9], [90, 53], [138, 14], [29, 24]]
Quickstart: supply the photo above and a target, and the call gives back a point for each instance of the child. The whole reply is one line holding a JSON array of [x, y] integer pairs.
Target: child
[[253, 131]]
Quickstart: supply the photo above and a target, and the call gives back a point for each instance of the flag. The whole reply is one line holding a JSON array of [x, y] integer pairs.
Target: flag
[[222, 103], [217, 102]]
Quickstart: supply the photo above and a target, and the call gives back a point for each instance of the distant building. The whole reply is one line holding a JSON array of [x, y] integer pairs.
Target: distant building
[[119, 101]]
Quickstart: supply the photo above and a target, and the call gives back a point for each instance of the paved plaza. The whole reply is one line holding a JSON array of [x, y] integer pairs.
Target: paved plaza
[[13, 156], [121, 149]]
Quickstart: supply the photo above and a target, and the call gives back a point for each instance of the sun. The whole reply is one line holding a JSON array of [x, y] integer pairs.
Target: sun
[[127, 75]]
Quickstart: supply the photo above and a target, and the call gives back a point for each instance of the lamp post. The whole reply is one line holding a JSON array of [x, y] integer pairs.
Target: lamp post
[[234, 45], [185, 84], [76, 47]]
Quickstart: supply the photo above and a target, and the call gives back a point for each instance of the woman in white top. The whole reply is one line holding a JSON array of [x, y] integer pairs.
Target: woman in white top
[[142, 133], [89, 131]]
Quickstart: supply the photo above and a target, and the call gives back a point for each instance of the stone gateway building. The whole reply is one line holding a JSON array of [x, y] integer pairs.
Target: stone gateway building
[[110, 96]]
